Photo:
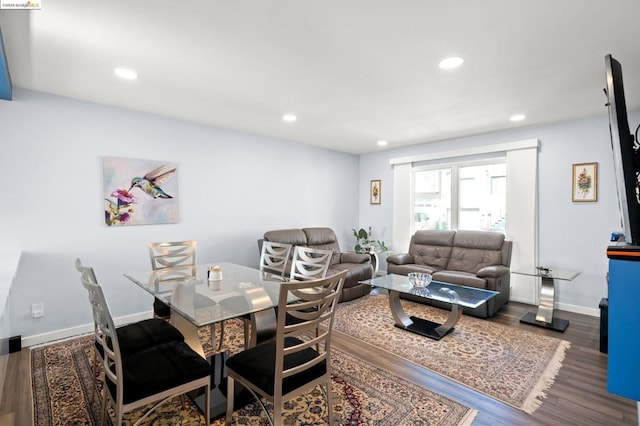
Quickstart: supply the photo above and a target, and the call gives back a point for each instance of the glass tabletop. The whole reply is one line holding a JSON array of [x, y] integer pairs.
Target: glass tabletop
[[468, 297], [543, 272], [241, 291]]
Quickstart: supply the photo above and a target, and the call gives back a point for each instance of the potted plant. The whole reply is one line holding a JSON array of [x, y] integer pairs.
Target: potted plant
[[364, 243]]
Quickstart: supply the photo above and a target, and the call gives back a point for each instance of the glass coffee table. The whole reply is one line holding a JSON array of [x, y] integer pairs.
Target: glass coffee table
[[459, 296]]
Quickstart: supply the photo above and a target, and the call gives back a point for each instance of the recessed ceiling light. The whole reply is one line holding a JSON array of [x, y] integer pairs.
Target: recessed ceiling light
[[517, 117], [382, 143], [126, 73], [451, 63], [289, 118]]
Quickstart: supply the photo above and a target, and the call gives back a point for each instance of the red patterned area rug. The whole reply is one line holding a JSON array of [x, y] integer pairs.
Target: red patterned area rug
[[363, 394], [508, 364]]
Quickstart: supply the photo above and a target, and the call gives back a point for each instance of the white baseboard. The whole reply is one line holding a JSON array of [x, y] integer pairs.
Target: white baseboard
[[66, 333], [519, 300], [593, 312]]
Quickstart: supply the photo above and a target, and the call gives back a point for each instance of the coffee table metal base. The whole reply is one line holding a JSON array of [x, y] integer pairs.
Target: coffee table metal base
[[422, 326], [426, 328]]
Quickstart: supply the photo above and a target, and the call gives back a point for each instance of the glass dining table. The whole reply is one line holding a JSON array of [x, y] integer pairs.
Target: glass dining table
[[195, 301]]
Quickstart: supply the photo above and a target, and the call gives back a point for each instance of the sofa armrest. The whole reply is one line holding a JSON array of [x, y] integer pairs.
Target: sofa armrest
[[400, 259], [494, 271], [354, 258]]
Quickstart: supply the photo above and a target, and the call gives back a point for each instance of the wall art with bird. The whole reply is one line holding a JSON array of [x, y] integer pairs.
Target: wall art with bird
[[151, 194]]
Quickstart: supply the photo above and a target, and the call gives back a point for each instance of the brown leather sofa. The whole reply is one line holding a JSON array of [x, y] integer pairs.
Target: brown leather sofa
[[478, 259], [358, 266]]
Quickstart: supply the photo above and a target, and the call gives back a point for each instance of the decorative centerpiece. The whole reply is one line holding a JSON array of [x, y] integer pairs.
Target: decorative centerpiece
[[214, 273], [419, 279]]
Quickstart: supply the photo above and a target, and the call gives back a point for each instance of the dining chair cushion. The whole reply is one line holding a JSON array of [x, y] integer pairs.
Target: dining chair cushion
[[259, 362], [161, 309], [160, 368], [139, 336]]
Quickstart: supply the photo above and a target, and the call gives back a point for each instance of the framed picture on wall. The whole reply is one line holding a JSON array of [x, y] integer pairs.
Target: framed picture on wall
[[585, 182], [139, 191], [376, 191]]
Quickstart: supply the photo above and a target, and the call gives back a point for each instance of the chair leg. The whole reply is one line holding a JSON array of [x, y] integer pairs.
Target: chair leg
[[221, 336], [230, 391], [328, 395], [277, 410], [103, 415], [94, 368], [247, 333], [207, 401]]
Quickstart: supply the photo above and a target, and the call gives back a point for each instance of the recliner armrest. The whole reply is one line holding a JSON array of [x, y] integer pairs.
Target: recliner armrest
[[354, 258], [400, 259], [494, 271]]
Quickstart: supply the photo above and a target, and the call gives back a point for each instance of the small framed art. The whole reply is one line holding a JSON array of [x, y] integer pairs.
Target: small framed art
[[376, 191], [585, 182]]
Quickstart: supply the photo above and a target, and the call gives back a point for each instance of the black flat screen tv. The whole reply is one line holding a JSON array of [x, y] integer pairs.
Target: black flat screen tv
[[626, 155]]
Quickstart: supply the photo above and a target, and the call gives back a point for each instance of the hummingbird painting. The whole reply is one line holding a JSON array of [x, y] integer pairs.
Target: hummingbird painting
[[151, 183]]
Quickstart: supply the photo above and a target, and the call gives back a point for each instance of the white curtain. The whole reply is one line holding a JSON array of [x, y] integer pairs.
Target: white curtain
[[401, 207], [522, 221]]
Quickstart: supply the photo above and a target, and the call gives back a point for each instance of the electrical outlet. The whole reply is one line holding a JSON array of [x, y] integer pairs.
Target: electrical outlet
[[37, 310]]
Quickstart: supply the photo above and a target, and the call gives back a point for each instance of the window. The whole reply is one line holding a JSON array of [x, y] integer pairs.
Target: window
[[471, 196]]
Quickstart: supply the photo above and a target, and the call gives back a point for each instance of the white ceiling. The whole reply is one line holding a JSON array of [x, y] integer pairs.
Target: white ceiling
[[353, 71]]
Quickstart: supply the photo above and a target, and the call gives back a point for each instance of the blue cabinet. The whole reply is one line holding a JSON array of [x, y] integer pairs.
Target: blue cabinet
[[624, 323]]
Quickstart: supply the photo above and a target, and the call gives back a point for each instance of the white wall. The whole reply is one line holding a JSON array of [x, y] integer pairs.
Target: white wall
[[572, 235], [233, 188]]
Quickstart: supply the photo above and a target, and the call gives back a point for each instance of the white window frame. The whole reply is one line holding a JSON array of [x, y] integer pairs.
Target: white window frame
[[455, 184]]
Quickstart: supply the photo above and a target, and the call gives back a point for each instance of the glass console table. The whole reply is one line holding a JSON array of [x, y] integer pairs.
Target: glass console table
[[459, 296], [544, 316]]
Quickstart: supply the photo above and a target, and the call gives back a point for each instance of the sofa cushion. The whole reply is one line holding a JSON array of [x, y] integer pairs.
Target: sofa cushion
[[323, 239], [408, 268], [356, 272], [460, 278], [354, 258], [432, 248], [287, 236], [473, 250]]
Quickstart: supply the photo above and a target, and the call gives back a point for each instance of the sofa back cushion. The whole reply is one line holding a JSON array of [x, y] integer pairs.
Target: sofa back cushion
[[430, 247], [323, 239], [473, 250], [287, 236]]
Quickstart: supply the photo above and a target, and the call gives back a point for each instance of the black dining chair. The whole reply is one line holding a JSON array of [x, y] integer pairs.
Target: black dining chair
[[134, 337], [298, 359], [274, 260], [169, 255], [155, 374], [177, 257]]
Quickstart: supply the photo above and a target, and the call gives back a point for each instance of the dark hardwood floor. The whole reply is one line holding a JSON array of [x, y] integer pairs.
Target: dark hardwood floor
[[577, 397]]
